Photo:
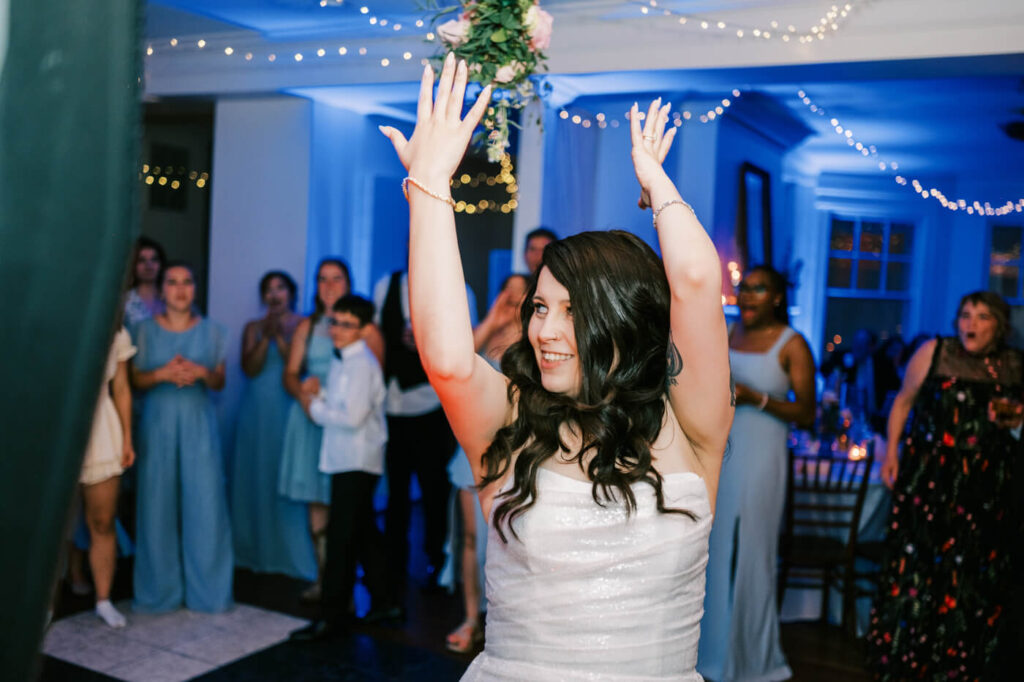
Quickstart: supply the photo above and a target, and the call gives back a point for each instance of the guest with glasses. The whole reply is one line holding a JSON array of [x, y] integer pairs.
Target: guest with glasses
[[769, 361], [351, 411], [309, 357]]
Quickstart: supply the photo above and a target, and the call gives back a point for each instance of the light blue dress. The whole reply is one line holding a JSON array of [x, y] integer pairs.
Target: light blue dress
[[739, 638], [270, 531], [300, 478], [183, 549]]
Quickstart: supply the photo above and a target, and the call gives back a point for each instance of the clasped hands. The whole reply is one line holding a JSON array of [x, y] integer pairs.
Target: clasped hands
[[183, 372], [441, 135]]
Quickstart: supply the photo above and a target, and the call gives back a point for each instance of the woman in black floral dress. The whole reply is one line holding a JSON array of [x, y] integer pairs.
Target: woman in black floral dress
[[946, 583]]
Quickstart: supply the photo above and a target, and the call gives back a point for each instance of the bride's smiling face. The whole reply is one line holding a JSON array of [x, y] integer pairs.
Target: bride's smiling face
[[552, 335]]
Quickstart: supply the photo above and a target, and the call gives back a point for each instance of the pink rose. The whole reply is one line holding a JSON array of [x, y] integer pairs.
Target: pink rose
[[454, 32], [538, 23], [508, 72]]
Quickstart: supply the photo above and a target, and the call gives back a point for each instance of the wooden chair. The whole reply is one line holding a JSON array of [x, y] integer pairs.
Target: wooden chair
[[824, 499], [867, 577]]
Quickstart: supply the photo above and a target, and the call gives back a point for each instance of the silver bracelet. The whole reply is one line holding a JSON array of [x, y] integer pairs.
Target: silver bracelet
[[657, 211], [764, 402]]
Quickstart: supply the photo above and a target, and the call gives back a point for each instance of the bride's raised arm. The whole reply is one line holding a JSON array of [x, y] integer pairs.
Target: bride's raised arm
[[473, 394], [699, 379]]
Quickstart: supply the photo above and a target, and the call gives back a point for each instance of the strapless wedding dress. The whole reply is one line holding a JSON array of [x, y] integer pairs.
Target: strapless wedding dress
[[589, 593]]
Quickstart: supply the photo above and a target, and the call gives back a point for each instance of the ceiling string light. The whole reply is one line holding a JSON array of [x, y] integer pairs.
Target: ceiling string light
[[313, 55], [602, 121], [372, 18], [891, 167], [830, 21]]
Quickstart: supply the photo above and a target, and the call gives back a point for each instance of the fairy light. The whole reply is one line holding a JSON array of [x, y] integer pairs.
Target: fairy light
[[602, 122], [172, 177], [831, 20], [869, 150], [504, 177]]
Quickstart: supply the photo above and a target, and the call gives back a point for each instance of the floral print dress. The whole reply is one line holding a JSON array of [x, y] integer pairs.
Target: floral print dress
[[946, 581]]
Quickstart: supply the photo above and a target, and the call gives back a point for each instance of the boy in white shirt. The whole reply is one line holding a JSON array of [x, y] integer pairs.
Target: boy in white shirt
[[351, 410]]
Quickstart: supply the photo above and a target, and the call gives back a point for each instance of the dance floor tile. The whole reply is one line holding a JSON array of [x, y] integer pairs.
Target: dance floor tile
[[166, 647], [225, 646], [163, 666], [98, 649]]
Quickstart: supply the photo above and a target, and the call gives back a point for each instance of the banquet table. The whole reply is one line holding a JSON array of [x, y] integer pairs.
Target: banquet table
[[805, 604]]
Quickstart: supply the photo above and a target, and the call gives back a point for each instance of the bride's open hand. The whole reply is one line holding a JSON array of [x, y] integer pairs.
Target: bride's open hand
[[441, 136], [650, 146]]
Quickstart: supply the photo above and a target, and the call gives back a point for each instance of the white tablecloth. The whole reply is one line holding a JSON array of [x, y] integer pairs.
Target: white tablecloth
[[805, 604]]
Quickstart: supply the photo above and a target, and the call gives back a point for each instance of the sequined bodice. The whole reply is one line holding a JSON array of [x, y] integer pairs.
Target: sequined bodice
[[589, 592]]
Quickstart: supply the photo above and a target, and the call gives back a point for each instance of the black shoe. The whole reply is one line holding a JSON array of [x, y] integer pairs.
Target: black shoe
[[385, 614], [318, 630]]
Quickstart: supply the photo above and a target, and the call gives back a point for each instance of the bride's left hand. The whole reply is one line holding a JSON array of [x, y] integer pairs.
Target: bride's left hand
[[441, 136], [651, 145]]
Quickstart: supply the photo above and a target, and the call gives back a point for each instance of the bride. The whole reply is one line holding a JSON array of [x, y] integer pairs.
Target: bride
[[598, 447]]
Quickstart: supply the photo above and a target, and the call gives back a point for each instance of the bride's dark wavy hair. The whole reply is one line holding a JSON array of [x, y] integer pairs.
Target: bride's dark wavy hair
[[620, 305]]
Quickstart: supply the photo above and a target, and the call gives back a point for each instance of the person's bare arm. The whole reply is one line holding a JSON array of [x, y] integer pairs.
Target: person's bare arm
[[122, 395], [214, 378], [917, 371], [296, 353], [254, 348], [474, 396], [374, 341], [799, 362], [700, 390]]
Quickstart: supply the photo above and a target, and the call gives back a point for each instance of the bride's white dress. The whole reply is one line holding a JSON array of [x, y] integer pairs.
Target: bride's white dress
[[589, 593]]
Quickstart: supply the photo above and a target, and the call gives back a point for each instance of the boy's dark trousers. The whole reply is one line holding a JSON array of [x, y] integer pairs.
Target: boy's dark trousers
[[352, 535]]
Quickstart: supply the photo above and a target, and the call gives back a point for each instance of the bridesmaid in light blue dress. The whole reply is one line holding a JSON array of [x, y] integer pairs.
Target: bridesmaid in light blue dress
[[183, 552], [740, 631], [269, 531]]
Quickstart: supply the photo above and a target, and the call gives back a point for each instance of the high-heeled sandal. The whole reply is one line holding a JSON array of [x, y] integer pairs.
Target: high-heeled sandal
[[464, 638]]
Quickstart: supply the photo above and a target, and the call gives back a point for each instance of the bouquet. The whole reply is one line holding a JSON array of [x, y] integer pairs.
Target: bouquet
[[502, 42]]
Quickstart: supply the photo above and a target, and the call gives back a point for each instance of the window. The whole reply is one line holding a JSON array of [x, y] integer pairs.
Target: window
[[868, 281], [1004, 265]]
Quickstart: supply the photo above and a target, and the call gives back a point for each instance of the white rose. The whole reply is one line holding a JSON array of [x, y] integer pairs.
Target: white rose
[[454, 32], [506, 73]]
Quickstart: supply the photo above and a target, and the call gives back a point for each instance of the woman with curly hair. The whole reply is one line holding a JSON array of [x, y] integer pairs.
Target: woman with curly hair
[[598, 446]]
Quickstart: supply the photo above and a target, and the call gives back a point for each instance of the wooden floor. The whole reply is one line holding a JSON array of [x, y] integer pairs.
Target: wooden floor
[[823, 652]]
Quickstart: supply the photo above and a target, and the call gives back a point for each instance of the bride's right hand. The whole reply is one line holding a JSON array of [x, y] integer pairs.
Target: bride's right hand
[[441, 136]]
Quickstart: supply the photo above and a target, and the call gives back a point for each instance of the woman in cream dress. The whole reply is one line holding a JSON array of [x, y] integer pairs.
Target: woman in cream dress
[[108, 454]]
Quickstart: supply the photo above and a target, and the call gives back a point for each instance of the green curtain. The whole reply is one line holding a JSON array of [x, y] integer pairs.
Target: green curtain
[[69, 131]]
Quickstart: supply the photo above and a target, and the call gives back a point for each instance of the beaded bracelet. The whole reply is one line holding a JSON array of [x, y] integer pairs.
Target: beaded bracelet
[[657, 211], [410, 180]]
